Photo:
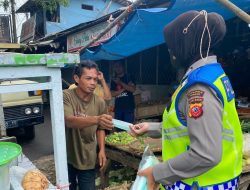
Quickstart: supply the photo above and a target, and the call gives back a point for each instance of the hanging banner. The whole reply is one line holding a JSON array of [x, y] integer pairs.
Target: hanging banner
[[78, 40]]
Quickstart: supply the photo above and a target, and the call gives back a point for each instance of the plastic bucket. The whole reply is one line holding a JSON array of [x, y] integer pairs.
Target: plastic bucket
[[9, 151]]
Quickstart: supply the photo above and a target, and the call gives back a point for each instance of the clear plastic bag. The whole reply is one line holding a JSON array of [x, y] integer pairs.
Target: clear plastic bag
[[148, 159]]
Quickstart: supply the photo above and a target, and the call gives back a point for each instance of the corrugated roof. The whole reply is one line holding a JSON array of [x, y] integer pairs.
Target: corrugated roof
[[29, 5], [79, 27], [142, 32], [123, 2]]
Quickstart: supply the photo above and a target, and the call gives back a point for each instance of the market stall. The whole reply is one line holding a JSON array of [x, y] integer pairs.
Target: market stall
[[128, 151], [149, 110], [130, 154]]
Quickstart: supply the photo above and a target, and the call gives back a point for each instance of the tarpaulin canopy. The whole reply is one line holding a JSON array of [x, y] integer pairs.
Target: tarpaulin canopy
[[144, 28]]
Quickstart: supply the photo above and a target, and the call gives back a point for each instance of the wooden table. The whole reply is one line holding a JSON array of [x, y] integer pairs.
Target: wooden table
[[243, 113], [121, 154], [124, 155], [245, 178], [127, 157]]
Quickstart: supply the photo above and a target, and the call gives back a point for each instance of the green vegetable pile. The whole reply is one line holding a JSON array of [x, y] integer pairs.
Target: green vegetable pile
[[245, 125], [119, 138]]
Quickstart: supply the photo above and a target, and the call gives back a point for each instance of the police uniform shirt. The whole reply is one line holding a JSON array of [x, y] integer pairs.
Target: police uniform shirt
[[204, 130]]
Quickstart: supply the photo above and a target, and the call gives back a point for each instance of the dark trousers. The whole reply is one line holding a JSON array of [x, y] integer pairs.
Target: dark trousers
[[83, 179], [125, 115]]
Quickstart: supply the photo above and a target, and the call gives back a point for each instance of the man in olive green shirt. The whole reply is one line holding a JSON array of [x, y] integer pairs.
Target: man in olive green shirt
[[85, 121]]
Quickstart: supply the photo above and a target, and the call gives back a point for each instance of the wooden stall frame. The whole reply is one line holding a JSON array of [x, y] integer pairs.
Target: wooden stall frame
[[56, 106], [129, 158]]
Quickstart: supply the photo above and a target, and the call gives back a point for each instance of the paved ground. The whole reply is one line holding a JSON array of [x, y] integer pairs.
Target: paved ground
[[42, 144]]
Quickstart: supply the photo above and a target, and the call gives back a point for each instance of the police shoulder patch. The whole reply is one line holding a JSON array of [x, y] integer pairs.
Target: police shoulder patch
[[195, 110], [195, 101], [197, 93]]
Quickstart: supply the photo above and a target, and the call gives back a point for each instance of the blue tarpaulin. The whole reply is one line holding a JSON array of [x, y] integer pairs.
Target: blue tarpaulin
[[144, 28]]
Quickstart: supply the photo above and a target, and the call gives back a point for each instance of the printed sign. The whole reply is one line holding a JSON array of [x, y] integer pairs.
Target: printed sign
[[82, 38]]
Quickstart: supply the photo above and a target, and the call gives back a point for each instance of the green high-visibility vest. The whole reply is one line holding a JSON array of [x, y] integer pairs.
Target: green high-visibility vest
[[175, 137]]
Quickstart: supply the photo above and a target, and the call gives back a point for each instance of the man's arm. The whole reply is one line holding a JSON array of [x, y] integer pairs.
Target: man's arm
[[106, 90], [129, 87], [104, 120], [115, 92], [107, 94], [73, 121], [81, 122], [100, 134]]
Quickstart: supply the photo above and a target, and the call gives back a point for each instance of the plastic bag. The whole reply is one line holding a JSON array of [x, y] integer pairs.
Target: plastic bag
[[148, 159]]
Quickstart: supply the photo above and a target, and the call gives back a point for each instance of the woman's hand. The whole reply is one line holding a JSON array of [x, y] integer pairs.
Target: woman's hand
[[138, 129], [148, 173]]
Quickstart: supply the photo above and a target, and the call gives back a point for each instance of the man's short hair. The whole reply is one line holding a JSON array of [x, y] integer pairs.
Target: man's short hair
[[88, 64]]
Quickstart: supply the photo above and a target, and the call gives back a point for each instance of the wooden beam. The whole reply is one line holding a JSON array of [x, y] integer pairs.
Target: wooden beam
[[124, 14], [9, 46], [236, 10]]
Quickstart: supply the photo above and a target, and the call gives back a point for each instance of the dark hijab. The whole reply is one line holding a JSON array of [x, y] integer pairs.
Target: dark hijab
[[183, 35]]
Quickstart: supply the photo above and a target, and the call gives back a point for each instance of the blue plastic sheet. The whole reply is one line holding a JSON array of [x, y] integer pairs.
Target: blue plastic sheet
[[144, 28]]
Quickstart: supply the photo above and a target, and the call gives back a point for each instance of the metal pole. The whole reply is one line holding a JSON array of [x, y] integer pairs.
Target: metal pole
[[140, 62], [112, 24], [236, 10], [157, 65]]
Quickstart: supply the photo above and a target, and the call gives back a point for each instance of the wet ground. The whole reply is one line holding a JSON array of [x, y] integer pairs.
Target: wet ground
[[42, 144]]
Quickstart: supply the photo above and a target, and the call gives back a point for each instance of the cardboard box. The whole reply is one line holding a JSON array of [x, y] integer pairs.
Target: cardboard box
[[146, 111], [137, 98], [161, 108]]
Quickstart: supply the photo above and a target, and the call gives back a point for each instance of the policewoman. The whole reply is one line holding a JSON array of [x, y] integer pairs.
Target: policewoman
[[201, 133]]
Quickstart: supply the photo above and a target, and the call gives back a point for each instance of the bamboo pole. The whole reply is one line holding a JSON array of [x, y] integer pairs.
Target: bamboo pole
[[13, 14], [125, 13], [236, 10]]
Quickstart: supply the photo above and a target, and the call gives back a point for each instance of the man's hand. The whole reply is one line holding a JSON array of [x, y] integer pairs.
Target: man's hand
[[102, 159], [100, 76], [105, 121], [148, 173], [117, 81], [139, 129], [120, 91]]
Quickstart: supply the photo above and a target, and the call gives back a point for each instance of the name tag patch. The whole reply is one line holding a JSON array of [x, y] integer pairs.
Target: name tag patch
[[228, 88]]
